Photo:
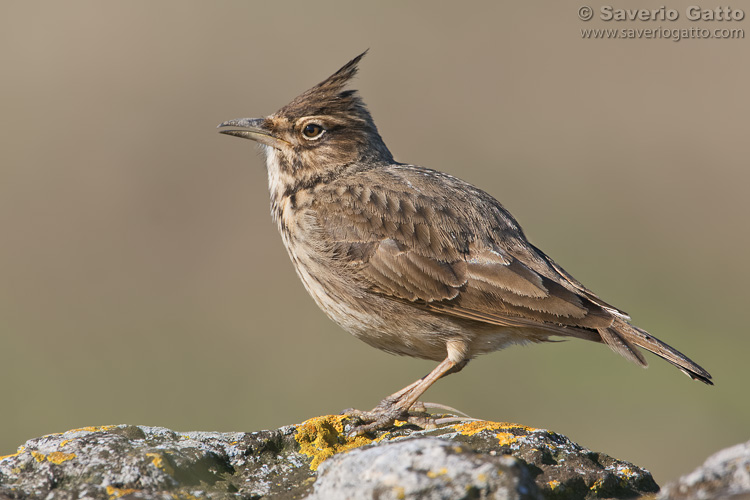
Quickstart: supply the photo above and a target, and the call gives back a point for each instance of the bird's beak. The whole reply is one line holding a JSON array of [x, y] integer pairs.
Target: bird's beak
[[254, 129]]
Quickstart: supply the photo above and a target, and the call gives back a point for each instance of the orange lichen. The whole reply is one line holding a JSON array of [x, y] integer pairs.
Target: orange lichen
[[322, 437]]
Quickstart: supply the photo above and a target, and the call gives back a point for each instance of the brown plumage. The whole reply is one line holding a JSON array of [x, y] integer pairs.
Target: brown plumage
[[411, 260]]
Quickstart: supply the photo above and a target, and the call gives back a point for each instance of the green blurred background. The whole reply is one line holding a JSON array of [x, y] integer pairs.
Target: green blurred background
[[142, 281]]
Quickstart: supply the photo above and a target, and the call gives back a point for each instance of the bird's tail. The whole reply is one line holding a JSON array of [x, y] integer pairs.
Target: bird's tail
[[624, 339]]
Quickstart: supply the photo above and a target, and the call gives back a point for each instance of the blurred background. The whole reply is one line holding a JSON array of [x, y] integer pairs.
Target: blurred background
[[143, 282]]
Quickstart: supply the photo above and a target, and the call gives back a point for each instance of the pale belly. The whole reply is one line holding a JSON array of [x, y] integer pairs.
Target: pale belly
[[391, 325]]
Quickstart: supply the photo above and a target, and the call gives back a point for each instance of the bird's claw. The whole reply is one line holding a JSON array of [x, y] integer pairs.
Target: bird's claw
[[385, 415]]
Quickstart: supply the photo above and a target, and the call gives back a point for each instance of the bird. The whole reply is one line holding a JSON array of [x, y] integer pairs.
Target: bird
[[414, 261]]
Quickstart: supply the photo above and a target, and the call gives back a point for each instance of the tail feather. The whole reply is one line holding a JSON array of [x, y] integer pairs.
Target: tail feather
[[622, 337], [622, 345]]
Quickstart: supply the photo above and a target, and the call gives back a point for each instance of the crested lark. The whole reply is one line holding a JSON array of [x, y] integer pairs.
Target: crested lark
[[411, 260]]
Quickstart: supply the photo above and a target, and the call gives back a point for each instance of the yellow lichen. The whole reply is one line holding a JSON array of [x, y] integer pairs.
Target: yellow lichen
[[66, 441], [476, 426], [400, 492], [92, 428], [20, 450], [597, 485], [322, 437], [626, 471], [506, 438], [388, 435], [553, 484], [181, 495], [158, 461], [433, 474], [58, 457], [119, 492]]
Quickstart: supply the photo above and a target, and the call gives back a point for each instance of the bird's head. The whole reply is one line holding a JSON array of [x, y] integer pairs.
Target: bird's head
[[323, 128]]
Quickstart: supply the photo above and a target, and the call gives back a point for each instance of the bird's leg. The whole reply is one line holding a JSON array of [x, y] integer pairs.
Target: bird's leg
[[383, 406], [396, 406], [393, 398], [386, 403]]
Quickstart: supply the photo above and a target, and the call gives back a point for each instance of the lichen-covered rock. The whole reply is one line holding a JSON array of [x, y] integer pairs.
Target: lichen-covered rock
[[483, 459], [152, 463], [725, 475], [426, 468]]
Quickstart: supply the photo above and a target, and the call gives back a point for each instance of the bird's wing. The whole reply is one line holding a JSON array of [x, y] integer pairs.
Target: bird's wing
[[452, 249], [437, 242]]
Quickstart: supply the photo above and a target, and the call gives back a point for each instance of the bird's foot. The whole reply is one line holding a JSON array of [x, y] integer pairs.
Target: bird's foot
[[378, 418], [386, 414]]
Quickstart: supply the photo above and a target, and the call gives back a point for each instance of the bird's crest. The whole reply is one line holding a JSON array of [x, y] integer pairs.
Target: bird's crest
[[328, 97]]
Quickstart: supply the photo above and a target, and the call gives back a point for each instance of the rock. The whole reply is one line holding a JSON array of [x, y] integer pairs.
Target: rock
[[725, 475], [473, 459], [426, 468]]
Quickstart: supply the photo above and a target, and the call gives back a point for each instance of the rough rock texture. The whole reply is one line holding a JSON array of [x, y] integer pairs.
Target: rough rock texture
[[724, 475], [473, 459], [427, 468]]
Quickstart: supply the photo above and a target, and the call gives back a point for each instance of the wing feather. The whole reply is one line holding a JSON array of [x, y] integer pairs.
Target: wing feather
[[422, 250], [417, 235]]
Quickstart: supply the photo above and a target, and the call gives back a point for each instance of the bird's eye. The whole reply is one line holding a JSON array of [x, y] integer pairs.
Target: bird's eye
[[312, 131]]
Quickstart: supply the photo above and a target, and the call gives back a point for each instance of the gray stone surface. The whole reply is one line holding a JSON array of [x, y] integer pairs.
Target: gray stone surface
[[724, 475], [476, 459], [427, 468]]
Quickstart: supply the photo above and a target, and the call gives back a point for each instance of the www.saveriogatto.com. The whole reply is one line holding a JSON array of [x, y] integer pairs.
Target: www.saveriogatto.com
[[715, 23]]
